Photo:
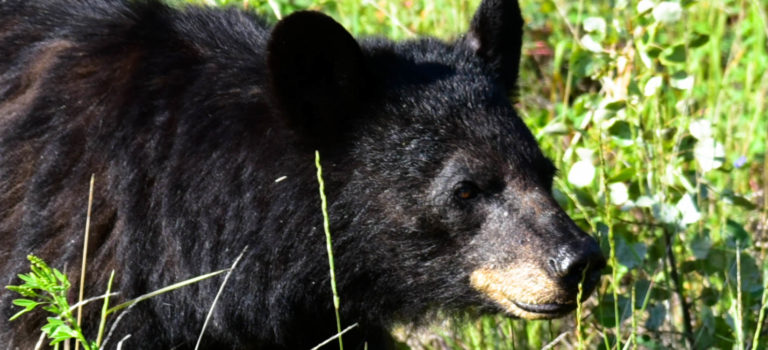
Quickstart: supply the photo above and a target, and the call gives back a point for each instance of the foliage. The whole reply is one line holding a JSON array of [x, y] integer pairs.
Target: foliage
[[657, 114], [47, 287]]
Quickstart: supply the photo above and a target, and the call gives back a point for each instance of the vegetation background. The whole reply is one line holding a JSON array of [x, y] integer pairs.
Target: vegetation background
[[655, 113]]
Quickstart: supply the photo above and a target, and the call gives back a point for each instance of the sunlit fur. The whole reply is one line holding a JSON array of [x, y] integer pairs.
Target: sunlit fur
[[522, 283]]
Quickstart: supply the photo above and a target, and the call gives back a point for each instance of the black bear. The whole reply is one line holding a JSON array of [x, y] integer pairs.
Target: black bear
[[200, 126]]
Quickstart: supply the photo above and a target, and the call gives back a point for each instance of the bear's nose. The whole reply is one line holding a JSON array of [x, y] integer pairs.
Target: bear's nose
[[573, 264]]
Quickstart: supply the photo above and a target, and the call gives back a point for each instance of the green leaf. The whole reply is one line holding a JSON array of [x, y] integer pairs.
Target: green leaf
[[23, 290], [653, 51], [743, 202], [709, 296], [717, 260], [700, 246], [61, 278], [623, 175], [616, 105], [581, 63], [58, 330], [53, 323], [740, 201], [585, 198], [642, 288], [675, 54], [646, 342], [18, 314], [736, 235], [633, 88], [628, 254], [52, 308], [605, 312], [26, 303], [29, 279], [556, 129], [686, 146], [562, 199], [751, 276], [656, 315], [621, 130], [697, 40]]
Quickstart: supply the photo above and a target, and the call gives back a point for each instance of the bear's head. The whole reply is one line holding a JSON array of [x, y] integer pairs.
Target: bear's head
[[441, 196]]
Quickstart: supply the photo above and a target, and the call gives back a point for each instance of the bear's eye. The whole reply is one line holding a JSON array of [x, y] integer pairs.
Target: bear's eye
[[466, 190]]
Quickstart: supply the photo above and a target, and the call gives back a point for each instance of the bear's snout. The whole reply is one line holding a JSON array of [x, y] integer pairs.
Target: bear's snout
[[581, 263], [541, 279]]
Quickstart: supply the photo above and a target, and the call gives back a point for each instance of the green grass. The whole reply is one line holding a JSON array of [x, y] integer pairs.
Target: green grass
[[659, 113]]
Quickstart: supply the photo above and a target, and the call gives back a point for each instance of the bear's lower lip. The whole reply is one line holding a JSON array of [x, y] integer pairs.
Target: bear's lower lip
[[552, 309]]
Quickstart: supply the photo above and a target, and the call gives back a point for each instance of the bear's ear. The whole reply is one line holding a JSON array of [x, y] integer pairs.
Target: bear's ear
[[496, 35], [316, 73]]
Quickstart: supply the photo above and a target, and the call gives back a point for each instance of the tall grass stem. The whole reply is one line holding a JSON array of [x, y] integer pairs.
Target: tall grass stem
[[739, 311], [218, 294], [329, 245], [85, 257]]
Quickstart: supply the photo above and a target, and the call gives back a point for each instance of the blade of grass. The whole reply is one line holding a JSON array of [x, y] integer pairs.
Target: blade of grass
[[218, 294], [611, 238], [761, 314], [85, 257], [337, 335], [128, 305], [104, 308], [579, 330], [164, 290], [329, 245]]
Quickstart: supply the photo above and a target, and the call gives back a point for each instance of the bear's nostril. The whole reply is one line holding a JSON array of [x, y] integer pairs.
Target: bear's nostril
[[554, 266], [573, 268], [578, 269]]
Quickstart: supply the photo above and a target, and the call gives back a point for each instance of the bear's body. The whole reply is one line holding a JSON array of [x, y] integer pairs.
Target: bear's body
[[200, 126]]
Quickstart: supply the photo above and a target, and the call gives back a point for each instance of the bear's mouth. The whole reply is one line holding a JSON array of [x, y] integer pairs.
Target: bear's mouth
[[552, 309], [524, 291]]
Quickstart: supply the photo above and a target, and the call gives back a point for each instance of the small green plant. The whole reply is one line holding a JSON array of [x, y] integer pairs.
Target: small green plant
[[47, 287]]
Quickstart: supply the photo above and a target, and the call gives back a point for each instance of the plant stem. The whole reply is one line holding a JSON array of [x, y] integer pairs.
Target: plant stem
[[104, 309], [688, 329], [85, 260], [329, 245], [739, 312], [761, 315]]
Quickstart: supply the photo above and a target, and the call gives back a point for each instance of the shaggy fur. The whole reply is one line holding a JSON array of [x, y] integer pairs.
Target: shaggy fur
[[189, 117]]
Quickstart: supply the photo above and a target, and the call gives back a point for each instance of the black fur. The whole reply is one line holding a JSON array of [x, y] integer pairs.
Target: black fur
[[188, 117]]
